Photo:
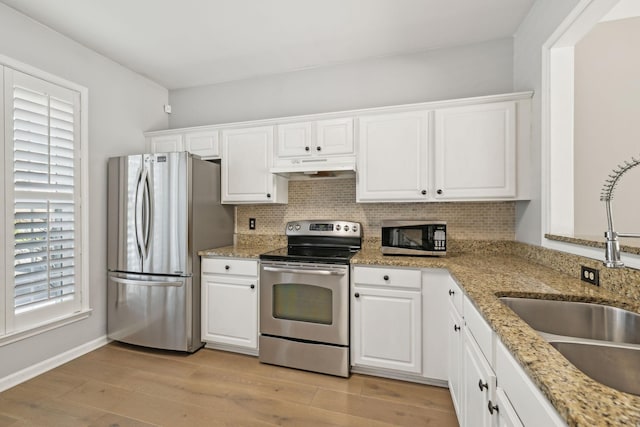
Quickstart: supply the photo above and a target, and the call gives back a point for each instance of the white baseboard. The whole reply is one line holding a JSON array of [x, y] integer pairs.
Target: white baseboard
[[53, 362]]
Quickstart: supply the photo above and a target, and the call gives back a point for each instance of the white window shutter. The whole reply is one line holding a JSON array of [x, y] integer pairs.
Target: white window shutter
[[44, 128]]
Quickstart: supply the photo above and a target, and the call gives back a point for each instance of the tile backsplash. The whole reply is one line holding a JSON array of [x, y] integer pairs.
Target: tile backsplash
[[336, 199]]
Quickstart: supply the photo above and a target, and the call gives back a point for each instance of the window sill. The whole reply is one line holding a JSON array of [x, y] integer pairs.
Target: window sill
[[39, 329]]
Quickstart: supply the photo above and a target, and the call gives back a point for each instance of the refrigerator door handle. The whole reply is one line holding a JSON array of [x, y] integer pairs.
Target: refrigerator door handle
[[147, 214], [140, 214], [175, 284]]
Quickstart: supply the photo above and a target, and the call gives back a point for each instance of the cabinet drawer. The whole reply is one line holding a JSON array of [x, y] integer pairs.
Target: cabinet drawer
[[230, 266], [401, 278], [480, 330]]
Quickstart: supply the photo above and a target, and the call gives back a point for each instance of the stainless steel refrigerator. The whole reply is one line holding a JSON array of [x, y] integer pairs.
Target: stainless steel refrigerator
[[162, 209]]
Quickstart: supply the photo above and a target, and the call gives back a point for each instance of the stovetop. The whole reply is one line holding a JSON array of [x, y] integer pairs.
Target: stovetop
[[319, 241], [315, 254]]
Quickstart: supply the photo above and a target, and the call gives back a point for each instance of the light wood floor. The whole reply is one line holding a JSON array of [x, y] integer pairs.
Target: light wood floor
[[118, 385]]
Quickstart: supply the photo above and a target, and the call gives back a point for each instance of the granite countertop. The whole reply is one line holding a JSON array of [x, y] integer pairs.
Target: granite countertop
[[485, 276], [578, 399]]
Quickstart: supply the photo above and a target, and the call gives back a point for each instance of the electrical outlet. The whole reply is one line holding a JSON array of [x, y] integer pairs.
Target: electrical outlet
[[590, 275], [252, 223]]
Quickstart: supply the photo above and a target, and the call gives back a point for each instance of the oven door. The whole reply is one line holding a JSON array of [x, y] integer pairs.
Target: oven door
[[308, 302]]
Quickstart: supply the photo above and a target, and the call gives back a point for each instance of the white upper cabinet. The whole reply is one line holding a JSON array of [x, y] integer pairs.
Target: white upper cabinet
[[475, 151], [295, 139], [325, 144], [203, 143], [393, 157], [247, 155], [166, 143], [334, 137]]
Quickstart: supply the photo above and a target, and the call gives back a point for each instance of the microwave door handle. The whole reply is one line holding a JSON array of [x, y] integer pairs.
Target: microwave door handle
[[304, 271]]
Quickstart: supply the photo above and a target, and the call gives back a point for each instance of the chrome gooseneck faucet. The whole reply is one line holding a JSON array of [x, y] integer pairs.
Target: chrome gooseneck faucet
[[612, 248]]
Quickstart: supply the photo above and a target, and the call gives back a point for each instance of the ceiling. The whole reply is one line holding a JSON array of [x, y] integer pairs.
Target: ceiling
[[186, 43]]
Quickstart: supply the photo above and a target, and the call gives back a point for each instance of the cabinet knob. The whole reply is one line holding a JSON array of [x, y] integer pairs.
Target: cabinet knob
[[423, 192], [491, 407], [482, 385], [357, 295], [319, 148], [252, 286], [456, 328], [268, 195], [386, 277], [226, 267], [439, 191], [451, 292], [306, 148]]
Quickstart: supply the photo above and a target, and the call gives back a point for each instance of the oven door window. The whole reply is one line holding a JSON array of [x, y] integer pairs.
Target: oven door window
[[304, 303]]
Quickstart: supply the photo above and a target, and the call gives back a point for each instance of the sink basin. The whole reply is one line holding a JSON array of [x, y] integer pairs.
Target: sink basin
[[616, 367], [578, 319]]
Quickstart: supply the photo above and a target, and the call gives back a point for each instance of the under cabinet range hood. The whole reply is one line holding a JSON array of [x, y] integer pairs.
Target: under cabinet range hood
[[315, 168]]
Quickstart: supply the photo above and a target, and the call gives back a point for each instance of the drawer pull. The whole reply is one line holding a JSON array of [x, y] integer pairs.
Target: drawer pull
[[226, 267], [386, 277], [482, 385], [456, 328], [492, 407], [451, 292]]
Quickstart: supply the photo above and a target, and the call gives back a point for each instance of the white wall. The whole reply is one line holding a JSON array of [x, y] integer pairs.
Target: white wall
[[480, 69], [122, 105], [543, 18], [607, 108]]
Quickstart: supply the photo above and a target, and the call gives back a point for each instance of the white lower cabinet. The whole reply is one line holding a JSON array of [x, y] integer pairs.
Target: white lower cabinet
[[435, 287], [386, 319], [488, 387], [529, 404], [506, 415], [230, 304], [455, 347], [479, 385]]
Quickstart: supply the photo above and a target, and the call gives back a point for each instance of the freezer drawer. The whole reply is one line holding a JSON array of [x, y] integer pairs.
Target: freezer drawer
[[152, 311]]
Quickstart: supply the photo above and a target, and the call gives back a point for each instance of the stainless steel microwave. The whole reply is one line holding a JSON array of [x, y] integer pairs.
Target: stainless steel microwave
[[417, 238]]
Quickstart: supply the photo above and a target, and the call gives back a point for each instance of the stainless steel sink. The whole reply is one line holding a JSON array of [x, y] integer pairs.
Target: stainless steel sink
[[578, 319], [616, 367], [600, 340]]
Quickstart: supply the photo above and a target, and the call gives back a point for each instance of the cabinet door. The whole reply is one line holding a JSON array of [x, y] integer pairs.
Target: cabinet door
[[456, 342], [475, 151], [295, 139], [334, 136], [392, 157], [435, 355], [505, 415], [166, 144], [478, 387], [204, 144], [387, 329], [230, 311], [247, 155]]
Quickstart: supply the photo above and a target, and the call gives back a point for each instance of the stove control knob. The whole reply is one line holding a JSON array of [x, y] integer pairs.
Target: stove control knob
[[346, 228], [290, 227], [297, 227], [338, 227], [355, 228]]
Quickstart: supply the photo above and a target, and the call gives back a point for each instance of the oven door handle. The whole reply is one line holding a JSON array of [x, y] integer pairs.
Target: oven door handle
[[304, 271]]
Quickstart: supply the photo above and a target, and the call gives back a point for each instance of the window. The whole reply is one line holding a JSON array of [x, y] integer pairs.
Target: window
[[43, 211]]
